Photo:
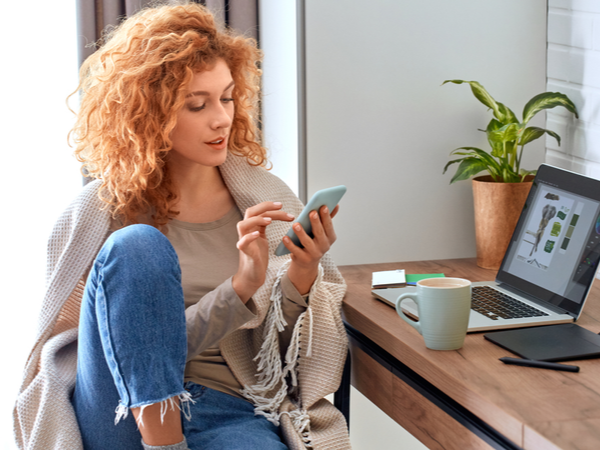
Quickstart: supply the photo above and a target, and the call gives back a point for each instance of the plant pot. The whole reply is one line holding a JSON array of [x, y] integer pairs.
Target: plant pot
[[497, 210]]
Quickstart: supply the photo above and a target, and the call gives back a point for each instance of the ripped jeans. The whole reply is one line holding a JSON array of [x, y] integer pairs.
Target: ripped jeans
[[132, 343], [132, 351]]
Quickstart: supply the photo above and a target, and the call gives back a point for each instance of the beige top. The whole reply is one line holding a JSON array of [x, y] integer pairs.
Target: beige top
[[208, 258]]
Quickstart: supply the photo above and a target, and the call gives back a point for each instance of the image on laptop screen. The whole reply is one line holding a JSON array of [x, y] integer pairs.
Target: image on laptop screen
[[555, 249]]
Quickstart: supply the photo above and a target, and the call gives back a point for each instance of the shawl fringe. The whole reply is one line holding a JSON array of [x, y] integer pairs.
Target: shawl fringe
[[270, 371]]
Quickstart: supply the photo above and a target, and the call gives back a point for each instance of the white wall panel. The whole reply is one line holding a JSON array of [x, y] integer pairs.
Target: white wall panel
[[574, 30], [588, 6], [574, 69], [380, 122]]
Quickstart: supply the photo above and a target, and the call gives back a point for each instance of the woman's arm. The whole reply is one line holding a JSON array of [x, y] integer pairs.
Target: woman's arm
[[305, 261], [216, 315], [304, 267]]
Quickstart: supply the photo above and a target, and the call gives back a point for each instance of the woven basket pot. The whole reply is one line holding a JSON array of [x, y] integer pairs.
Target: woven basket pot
[[497, 210]]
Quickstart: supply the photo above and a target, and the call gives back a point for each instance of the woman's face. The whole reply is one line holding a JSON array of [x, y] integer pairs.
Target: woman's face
[[204, 123]]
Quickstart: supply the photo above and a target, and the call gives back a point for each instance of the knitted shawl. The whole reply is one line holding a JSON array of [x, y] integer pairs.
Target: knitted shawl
[[43, 416]]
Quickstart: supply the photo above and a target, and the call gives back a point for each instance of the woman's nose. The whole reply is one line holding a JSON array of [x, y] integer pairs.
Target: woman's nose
[[223, 116]]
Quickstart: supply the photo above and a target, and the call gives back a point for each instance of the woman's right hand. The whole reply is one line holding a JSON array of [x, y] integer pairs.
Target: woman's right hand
[[254, 247]]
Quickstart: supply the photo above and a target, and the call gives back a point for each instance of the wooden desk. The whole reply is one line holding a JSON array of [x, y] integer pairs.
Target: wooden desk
[[466, 399]]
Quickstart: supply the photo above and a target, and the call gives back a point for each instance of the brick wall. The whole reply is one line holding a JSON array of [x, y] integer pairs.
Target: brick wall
[[574, 70]]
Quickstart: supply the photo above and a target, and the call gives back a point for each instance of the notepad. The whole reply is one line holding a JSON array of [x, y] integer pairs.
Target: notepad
[[413, 278], [388, 279]]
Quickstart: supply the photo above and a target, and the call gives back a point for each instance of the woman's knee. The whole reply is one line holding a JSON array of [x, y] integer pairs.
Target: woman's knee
[[139, 259], [139, 239], [142, 244]]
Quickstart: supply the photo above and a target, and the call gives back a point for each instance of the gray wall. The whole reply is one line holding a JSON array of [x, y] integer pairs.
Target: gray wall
[[379, 122]]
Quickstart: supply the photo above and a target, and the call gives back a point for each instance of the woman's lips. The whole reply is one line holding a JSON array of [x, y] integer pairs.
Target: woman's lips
[[218, 144]]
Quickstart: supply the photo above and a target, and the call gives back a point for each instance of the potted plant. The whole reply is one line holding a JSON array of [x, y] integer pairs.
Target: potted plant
[[499, 196]]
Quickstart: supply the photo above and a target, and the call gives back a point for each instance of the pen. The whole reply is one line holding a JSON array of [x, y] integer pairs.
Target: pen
[[539, 364]]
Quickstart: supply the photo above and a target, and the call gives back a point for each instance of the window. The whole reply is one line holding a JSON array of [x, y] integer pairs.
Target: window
[[40, 176]]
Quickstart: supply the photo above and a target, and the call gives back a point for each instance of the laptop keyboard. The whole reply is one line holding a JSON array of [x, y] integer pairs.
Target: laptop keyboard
[[494, 305]]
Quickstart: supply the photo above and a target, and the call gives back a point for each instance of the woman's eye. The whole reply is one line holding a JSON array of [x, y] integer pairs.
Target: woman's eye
[[196, 108], [227, 100]]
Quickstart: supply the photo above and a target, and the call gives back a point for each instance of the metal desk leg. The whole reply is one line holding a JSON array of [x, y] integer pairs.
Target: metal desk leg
[[341, 399]]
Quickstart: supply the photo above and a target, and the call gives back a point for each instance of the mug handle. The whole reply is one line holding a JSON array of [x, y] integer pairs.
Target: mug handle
[[412, 323]]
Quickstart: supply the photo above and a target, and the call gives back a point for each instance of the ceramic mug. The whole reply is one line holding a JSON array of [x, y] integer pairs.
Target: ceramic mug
[[444, 306]]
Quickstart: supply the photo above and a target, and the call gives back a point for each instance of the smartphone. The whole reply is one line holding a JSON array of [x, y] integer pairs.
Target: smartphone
[[329, 197]]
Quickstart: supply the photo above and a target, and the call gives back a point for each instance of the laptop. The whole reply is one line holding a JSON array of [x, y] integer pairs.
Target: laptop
[[550, 262]]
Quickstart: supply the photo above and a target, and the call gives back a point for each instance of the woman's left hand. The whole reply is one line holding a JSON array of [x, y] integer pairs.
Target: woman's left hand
[[305, 261]]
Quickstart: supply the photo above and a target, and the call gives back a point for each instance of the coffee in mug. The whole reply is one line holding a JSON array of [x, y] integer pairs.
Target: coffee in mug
[[444, 306]]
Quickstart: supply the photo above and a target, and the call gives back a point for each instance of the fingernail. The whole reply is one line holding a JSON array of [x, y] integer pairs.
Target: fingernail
[[297, 227], [290, 216], [277, 203], [314, 215], [326, 210], [268, 219], [286, 239]]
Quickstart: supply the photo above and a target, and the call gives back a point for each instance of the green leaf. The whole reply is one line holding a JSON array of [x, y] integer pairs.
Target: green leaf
[[524, 173], [506, 115], [450, 163], [494, 138], [470, 151], [509, 175], [547, 100], [480, 93], [499, 138], [492, 165], [501, 112], [494, 125], [462, 153], [554, 135], [510, 132], [468, 168], [533, 133]]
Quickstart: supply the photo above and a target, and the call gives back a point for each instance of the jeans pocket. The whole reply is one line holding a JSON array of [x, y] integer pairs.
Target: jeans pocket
[[195, 390]]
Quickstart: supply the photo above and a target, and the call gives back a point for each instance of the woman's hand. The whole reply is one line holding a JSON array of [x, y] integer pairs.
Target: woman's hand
[[254, 247], [305, 261]]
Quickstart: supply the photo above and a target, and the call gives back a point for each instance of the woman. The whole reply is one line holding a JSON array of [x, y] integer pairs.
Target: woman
[[170, 255]]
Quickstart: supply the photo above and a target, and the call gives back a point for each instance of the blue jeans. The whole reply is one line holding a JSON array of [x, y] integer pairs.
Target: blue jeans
[[132, 350], [224, 422]]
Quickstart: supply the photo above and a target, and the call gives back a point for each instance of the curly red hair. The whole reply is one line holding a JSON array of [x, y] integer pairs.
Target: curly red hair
[[132, 89]]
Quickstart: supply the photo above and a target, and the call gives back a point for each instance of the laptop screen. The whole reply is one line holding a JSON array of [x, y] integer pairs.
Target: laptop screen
[[554, 252]]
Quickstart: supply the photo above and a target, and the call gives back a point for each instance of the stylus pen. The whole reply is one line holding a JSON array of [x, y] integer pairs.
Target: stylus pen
[[539, 364]]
